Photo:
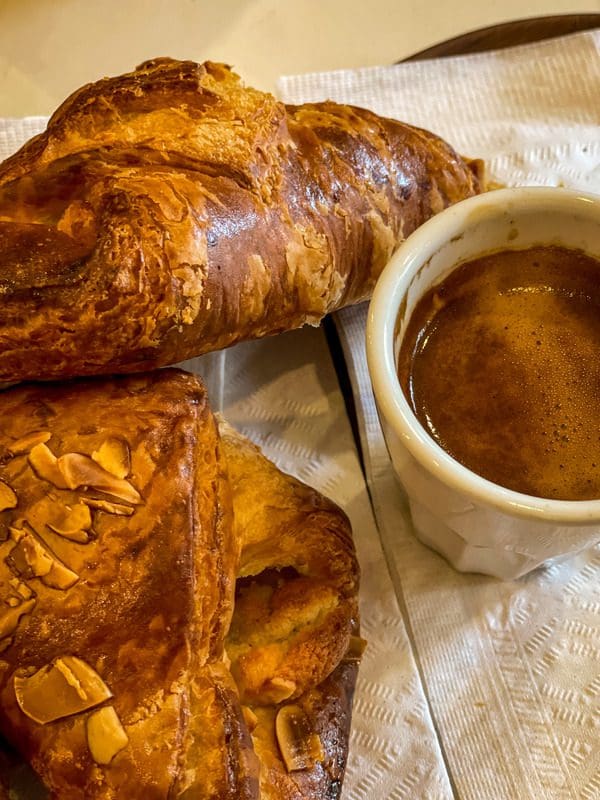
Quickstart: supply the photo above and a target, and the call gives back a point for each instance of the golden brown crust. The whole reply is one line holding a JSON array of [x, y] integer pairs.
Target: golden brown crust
[[295, 611], [152, 592], [296, 601], [171, 211], [126, 515], [329, 709]]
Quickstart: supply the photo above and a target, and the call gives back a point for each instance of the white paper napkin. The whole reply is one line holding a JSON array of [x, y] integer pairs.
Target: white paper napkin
[[511, 670], [283, 393]]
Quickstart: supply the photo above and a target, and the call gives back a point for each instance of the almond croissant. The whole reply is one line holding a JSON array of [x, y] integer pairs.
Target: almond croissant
[[171, 211], [177, 617]]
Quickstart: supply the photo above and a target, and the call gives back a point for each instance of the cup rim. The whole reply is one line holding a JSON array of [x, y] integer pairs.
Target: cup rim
[[383, 312]]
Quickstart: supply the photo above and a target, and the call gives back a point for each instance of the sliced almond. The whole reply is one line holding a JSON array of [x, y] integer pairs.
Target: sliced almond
[[21, 588], [30, 559], [81, 537], [105, 735], [27, 442], [356, 648], [9, 620], [66, 686], [60, 576], [45, 465], [8, 499], [24, 590], [79, 471], [72, 522], [277, 690], [14, 468], [110, 508], [16, 531], [113, 455], [300, 746]]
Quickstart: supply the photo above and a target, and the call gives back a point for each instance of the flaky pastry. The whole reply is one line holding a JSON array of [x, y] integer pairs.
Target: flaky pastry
[[178, 617], [172, 211]]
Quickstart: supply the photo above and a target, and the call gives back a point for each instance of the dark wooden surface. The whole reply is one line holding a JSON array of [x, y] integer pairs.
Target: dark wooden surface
[[510, 34]]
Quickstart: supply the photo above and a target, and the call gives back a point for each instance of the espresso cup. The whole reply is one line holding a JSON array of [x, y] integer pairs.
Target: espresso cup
[[477, 525]]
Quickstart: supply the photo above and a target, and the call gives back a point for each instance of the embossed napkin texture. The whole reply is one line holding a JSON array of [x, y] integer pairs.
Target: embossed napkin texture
[[283, 393], [510, 670]]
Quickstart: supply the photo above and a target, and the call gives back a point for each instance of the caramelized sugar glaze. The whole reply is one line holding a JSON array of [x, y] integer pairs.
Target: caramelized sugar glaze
[[501, 365]]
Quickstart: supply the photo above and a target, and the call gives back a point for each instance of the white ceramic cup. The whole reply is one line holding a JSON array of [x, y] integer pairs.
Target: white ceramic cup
[[476, 524]]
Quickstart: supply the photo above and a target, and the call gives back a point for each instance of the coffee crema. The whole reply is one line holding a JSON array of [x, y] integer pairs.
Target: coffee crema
[[501, 365]]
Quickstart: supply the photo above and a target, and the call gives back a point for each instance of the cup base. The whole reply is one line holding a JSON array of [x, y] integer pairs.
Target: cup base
[[465, 557]]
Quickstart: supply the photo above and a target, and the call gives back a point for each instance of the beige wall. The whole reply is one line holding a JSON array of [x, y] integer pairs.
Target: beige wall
[[49, 47]]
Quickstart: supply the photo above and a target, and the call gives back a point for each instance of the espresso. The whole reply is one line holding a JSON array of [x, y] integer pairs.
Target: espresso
[[501, 365]]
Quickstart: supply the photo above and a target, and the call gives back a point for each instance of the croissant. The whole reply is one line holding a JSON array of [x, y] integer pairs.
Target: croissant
[[179, 618], [172, 211]]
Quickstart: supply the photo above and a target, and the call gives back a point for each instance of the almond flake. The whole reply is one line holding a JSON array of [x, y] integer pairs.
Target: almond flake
[[8, 499], [356, 648], [300, 746], [64, 687], [10, 619], [60, 576], [105, 734], [110, 508], [113, 455], [30, 559], [72, 522], [27, 442], [80, 471], [45, 465]]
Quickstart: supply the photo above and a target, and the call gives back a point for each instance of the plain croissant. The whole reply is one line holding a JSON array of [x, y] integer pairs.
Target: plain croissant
[[171, 211]]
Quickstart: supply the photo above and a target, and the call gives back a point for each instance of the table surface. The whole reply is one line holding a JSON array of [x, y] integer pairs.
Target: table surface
[[50, 47]]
